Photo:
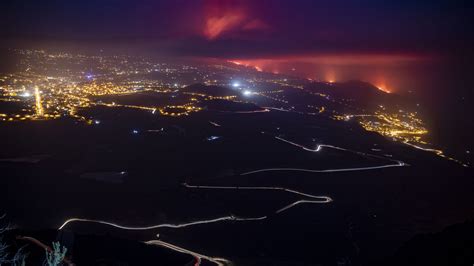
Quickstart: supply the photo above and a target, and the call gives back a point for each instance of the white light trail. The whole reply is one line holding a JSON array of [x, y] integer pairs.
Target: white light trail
[[199, 257], [144, 228], [289, 206], [325, 170], [319, 199], [324, 199], [266, 110], [278, 109], [214, 124], [318, 148], [218, 261]]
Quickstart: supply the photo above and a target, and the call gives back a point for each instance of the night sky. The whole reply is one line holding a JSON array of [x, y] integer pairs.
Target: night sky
[[374, 40]]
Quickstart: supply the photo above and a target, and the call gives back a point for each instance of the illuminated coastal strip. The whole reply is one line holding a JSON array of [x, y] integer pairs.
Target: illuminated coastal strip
[[199, 257], [437, 152], [324, 199]]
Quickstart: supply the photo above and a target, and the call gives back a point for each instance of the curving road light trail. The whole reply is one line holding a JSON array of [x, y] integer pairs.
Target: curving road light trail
[[144, 228], [323, 199], [319, 147], [197, 256], [289, 206], [318, 199], [310, 199], [214, 124], [325, 170]]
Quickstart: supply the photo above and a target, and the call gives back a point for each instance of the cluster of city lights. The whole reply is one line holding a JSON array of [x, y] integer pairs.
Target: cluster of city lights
[[40, 95]]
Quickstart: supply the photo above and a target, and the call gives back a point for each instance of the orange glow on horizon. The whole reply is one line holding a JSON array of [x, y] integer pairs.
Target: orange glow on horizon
[[330, 76], [383, 88], [373, 73], [235, 62], [381, 84]]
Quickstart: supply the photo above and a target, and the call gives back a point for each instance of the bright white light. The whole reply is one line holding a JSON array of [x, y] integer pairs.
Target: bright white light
[[247, 93], [26, 94], [235, 84], [97, 122], [135, 131], [211, 138]]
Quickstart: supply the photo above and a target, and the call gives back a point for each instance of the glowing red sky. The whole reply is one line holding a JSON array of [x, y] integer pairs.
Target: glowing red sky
[[323, 39], [239, 21]]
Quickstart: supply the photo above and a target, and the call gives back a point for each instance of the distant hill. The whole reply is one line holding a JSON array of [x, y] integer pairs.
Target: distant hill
[[362, 93]]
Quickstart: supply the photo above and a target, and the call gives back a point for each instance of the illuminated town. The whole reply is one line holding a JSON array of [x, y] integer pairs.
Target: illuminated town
[[55, 85]]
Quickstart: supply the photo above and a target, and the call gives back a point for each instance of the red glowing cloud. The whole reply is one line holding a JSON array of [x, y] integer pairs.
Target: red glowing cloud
[[226, 16], [216, 25]]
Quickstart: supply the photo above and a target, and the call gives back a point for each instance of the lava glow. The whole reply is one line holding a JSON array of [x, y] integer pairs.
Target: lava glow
[[375, 69], [381, 84], [382, 88], [259, 69]]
